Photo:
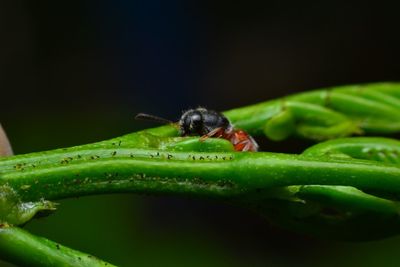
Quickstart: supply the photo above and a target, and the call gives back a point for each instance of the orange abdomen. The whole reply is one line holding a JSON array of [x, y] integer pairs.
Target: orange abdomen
[[241, 140]]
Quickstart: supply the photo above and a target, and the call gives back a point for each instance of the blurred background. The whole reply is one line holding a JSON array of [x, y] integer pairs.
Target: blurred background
[[74, 72]]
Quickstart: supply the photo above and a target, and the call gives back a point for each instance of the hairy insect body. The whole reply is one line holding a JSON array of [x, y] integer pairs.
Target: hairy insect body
[[240, 140], [202, 121], [209, 123]]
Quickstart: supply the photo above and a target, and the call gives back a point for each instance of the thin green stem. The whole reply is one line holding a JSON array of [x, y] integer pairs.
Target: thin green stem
[[22, 248], [326, 113]]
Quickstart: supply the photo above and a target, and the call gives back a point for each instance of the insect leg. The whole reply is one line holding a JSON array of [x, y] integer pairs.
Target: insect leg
[[211, 134]]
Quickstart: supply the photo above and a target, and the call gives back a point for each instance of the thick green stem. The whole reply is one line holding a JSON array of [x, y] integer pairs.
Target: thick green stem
[[295, 190], [209, 174]]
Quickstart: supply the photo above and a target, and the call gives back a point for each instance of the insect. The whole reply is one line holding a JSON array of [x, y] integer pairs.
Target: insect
[[208, 123]]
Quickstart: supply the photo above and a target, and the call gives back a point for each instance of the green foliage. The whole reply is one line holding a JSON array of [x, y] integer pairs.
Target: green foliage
[[25, 249], [346, 188], [14, 211]]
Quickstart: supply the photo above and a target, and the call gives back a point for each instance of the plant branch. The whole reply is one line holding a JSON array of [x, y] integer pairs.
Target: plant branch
[[20, 247], [230, 174], [332, 189]]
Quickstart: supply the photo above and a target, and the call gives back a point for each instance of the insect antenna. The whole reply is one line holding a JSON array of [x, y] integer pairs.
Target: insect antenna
[[148, 117]]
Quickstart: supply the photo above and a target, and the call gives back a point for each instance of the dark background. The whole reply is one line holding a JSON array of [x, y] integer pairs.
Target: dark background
[[73, 72]]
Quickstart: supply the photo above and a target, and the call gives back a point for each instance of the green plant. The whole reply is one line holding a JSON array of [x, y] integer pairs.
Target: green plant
[[344, 188]]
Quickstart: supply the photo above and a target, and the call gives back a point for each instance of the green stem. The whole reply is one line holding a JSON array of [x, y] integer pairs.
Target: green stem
[[326, 113], [158, 161], [102, 170], [22, 248]]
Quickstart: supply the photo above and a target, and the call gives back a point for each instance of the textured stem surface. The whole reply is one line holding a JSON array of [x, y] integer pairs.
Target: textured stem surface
[[346, 188], [25, 249]]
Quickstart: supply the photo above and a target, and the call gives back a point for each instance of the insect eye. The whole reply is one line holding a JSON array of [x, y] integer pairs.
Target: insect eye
[[195, 119]]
